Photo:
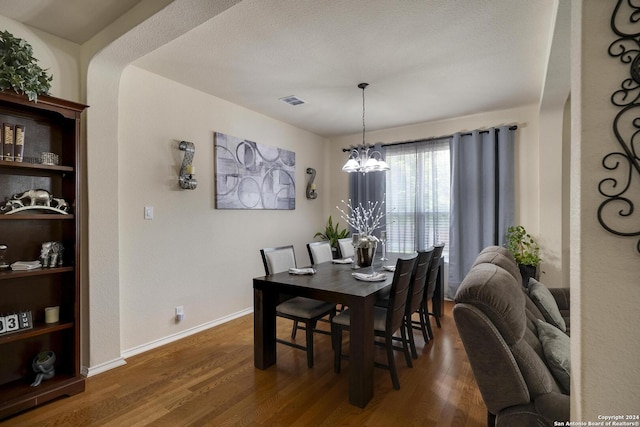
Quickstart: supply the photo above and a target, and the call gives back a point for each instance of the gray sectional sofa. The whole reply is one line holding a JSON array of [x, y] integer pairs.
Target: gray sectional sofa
[[515, 341]]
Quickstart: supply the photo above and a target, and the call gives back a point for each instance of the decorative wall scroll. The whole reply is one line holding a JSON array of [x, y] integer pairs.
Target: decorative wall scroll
[[311, 187], [186, 180], [618, 214], [253, 176]]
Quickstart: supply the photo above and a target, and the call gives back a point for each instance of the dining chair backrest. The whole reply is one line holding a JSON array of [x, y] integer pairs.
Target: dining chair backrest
[[433, 270], [277, 260], [319, 252], [398, 293], [418, 281], [346, 248]]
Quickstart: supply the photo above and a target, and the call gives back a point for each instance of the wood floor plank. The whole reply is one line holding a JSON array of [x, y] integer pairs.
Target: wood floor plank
[[208, 379]]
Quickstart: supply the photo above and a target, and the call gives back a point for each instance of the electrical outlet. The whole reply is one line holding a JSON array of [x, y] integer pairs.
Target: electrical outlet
[[179, 313], [148, 212]]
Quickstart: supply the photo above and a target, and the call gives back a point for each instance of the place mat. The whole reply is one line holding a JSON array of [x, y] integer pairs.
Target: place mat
[[375, 277], [342, 261]]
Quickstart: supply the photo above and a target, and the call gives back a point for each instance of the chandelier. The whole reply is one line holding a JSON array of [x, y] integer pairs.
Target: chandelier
[[364, 159]]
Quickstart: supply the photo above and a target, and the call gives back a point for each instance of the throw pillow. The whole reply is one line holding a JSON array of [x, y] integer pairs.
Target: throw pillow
[[546, 303], [557, 351]]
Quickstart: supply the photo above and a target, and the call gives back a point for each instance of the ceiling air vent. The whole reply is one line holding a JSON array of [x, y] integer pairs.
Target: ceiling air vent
[[292, 100]]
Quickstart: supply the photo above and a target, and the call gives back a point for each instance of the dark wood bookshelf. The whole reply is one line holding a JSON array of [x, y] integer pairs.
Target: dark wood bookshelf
[[51, 125]]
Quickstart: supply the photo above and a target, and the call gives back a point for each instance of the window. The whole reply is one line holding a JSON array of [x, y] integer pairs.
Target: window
[[417, 195]]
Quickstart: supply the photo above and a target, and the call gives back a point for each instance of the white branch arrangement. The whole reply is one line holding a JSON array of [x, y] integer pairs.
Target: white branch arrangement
[[365, 220]]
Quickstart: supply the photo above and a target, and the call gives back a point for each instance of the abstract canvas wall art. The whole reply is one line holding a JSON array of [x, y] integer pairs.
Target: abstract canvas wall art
[[249, 175]]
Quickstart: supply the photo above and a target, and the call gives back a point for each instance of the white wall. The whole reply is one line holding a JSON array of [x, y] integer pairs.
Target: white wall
[[145, 27], [605, 290], [192, 254]]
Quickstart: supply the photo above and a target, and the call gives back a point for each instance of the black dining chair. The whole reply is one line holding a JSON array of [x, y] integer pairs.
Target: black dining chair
[[319, 252], [299, 309], [414, 296], [424, 314], [387, 321]]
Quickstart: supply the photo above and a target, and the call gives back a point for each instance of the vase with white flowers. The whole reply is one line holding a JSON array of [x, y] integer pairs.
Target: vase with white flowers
[[364, 220]]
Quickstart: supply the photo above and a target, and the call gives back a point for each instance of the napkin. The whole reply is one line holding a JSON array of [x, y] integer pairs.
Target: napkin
[[342, 261], [375, 277], [389, 267], [307, 270], [25, 265]]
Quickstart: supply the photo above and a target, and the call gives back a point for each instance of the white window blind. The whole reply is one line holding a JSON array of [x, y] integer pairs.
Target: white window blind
[[417, 195]]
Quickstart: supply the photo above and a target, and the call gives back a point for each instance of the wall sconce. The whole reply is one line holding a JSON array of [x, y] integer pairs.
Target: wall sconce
[[187, 171], [311, 187]]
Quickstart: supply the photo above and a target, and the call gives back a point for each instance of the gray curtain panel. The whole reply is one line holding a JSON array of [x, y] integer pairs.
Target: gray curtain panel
[[368, 187], [482, 196]]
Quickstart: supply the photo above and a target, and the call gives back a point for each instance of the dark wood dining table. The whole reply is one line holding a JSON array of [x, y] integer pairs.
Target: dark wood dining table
[[333, 283]]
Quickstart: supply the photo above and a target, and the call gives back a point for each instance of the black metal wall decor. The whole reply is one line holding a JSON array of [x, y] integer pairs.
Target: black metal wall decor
[[617, 214]]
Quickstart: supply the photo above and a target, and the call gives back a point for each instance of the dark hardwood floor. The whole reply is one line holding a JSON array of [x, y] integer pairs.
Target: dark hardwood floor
[[208, 379]]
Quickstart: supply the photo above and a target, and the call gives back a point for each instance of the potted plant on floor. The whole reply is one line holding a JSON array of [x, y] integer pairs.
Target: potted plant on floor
[[332, 234], [525, 250]]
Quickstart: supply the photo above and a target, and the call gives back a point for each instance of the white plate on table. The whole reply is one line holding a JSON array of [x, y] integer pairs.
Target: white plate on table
[[342, 261], [389, 267]]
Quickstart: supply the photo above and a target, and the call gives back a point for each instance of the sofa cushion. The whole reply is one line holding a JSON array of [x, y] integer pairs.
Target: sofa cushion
[[495, 292], [547, 305], [500, 259], [557, 352], [501, 250]]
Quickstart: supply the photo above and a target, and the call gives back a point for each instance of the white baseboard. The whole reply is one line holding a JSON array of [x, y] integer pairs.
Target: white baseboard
[[183, 334], [98, 369]]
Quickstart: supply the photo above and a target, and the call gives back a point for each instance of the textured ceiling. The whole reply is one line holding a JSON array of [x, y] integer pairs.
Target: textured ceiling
[[74, 20], [424, 59]]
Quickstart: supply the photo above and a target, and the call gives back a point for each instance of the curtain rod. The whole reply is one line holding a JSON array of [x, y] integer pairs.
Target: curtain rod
[[514, 127]]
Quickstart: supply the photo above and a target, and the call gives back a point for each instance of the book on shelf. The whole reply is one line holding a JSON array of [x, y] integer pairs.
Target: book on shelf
[[18, 146], [7, 143]]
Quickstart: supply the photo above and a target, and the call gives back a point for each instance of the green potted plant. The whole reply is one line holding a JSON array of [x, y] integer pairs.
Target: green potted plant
[[332, 234], [19, 69], [525, 250]]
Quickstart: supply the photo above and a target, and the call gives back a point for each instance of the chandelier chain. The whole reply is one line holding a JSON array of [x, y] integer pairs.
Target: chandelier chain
[[363, 128]]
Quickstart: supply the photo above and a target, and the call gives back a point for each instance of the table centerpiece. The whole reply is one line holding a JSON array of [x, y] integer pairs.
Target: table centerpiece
[[365, 220]]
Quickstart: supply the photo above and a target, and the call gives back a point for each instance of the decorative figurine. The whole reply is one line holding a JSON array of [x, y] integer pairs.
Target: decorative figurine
[[51, 254], [43, 367], [34, 199], [3, 262]]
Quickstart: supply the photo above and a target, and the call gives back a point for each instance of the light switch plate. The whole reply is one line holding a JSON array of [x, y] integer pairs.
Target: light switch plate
[[148, 212]]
